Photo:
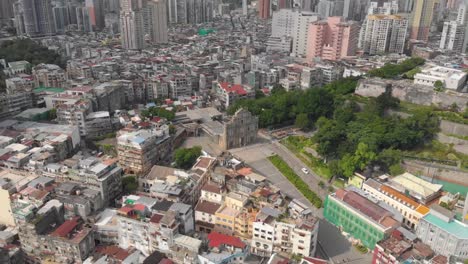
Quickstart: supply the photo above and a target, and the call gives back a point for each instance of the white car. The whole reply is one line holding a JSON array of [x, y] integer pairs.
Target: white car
[[305, 171]]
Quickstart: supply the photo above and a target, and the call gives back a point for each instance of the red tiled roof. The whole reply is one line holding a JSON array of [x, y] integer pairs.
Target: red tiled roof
[[208, 187], [126, 209], [244, 171], [156, 218], [66, 228], [235, 88], [166, 261], [363, 205], [265, 192], [113, 251], [207, 207], [139, 207], [144, 124], [216, 239]]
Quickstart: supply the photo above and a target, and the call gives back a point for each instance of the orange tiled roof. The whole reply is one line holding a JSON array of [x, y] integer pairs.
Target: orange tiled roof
[[422, 209], [399, 196]]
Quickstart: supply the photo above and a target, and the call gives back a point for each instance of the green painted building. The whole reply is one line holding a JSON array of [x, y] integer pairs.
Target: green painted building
[[360, 217]]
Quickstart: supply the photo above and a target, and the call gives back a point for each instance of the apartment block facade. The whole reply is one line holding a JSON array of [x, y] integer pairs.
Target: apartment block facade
[[332, 39], [364, 219]]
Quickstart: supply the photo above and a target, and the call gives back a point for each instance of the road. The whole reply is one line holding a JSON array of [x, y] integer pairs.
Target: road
[[332, 244]]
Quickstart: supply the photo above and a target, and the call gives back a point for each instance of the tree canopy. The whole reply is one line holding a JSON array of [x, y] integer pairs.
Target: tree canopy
[[129, 184], [186, 157], [392, 70], [29, 50], [158, 111], [301, 108], [356, 137]]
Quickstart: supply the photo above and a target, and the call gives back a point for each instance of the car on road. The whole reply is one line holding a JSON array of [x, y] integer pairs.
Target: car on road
[[305, 171]]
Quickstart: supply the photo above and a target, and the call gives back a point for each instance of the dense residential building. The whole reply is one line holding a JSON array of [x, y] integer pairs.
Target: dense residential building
[[157, 17], [6, 9], [96, 12], [131, 24], [264, 9], [228, 93], [453, 36], [368, 221], [23, 83], [281, 44], [444, 234], [34, 18], [300, 32], [72, 241], [106, 178], [13, 104], [400, 247], [49, 75], [273, 234], [330, 8], [332, 39], [139, 150], [190, 11], [383, 34], [462, 18], [421, 19], [293, 23]]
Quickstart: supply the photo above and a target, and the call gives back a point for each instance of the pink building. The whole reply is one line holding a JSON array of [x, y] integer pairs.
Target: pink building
[[332, 39], [263, 7]]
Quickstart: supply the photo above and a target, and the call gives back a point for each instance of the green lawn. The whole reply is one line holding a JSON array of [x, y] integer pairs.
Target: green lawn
[[297, 145], [289, 173]]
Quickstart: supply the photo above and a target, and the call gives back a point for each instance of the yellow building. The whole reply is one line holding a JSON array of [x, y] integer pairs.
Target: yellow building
[[357, 180], [421, 19], [236, 201], [225, 220], [244, 223], [6, 214]]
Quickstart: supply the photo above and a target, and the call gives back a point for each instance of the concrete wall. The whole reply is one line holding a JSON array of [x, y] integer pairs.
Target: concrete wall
[[448, 127], [409, 92], [438, 171]]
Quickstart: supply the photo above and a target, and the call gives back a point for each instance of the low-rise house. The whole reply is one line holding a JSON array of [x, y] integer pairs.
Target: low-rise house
[[400, 247], [273, 232]]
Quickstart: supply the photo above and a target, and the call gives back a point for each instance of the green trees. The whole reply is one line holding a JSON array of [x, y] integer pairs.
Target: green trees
[[186, 157], [129, 184], [358, 139], [29, 50], [439, 86], [285, 108], [302, 121], [391, 70], [158, 111], [411, 73]]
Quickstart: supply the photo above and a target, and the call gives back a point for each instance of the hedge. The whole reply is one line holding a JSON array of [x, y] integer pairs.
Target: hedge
[[289, 173]]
